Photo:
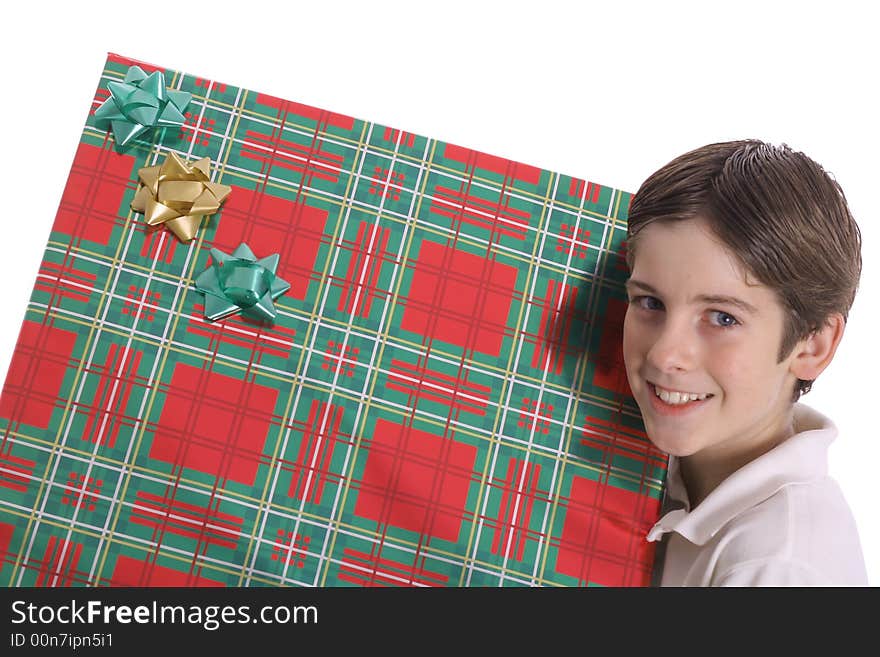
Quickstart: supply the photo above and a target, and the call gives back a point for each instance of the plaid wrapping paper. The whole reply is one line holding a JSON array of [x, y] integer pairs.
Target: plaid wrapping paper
[[441, 401]]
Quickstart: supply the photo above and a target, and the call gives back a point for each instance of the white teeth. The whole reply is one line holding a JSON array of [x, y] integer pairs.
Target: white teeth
[[674, 397]]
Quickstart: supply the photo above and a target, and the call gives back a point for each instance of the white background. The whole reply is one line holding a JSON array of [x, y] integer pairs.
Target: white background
[[604, 91]]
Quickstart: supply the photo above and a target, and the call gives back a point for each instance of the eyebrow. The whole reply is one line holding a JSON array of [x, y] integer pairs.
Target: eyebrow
[[705, 298]]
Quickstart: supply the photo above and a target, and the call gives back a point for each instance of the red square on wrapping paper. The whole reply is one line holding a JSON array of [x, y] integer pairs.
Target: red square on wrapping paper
[[268, 224], [6, 531], [92, 198], [214, 424], [460, 298], [604, 535], [36, 372], [134, 572], [416, 481]]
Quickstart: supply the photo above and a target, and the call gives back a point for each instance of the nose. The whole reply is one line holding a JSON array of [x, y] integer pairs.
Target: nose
[[675, 347]]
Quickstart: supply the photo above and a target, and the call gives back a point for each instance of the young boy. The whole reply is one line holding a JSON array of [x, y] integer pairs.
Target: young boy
[[744, 262]]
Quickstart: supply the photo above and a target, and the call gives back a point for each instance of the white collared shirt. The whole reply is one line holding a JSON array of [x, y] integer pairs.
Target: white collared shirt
[[780, 520]]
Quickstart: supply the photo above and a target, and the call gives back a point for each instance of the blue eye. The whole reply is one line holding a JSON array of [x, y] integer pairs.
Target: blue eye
[[723, 319], [647, 302]]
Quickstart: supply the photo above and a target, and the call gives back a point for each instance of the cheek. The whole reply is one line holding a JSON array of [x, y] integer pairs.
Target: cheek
[[632, 341], [737, 370]]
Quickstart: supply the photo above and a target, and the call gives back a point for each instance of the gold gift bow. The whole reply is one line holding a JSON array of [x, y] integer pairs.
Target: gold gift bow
[[178, 195]]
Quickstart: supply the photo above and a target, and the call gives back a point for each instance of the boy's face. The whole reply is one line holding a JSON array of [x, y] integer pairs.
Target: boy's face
[[695, 325]]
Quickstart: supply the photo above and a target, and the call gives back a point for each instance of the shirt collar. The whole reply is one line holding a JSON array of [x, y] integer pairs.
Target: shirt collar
[[802, 457]]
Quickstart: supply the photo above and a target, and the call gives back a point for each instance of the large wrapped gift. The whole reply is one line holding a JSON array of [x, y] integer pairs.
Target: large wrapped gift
[[273, 345]]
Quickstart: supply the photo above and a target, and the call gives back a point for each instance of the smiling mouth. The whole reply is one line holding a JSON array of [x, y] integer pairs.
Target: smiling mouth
[[677, 397]]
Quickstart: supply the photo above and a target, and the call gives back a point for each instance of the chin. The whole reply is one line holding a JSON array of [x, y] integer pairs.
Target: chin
[[678, 452], [671, 445]]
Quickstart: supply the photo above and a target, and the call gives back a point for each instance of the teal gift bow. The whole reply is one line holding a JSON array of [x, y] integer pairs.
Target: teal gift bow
[[240, 282], [139, 103]]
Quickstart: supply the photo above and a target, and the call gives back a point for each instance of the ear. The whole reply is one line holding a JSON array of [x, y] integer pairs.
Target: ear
[[814, 353]]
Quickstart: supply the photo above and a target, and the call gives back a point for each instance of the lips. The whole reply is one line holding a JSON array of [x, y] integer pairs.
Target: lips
[[677, 396], [663, 408]]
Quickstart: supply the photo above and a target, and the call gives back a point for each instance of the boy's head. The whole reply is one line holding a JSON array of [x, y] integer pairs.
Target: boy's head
[[737, 219]]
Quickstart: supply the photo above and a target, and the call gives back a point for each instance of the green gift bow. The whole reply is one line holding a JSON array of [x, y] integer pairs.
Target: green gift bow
[[240, 282], [139, 103]]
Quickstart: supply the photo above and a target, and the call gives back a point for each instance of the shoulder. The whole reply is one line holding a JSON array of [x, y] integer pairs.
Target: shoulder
[[804, 534], [773, 572]]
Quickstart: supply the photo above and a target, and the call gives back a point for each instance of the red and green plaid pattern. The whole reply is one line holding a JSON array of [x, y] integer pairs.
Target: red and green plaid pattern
[[441, 401]]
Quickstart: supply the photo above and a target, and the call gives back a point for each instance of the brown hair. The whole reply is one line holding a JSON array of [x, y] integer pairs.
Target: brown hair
[[779, 212]]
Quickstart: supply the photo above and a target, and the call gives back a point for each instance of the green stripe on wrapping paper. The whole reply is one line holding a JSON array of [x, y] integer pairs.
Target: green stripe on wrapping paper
[[440, 401]]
